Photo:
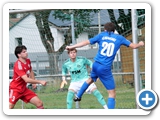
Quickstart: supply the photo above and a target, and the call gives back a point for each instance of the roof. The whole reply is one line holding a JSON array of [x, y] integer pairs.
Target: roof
[[13, 21]]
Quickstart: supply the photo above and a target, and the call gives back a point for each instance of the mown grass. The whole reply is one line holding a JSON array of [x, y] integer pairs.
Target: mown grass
[[125, 98]]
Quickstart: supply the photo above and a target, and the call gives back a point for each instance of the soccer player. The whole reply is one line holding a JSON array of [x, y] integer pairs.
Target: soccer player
[[77, 67], [109, 44], [22, 75]]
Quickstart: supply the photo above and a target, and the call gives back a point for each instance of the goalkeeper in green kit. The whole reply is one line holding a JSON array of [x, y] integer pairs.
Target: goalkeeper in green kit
[[77, 67]]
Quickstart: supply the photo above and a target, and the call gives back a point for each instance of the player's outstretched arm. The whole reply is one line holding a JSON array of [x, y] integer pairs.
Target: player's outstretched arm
[[81, 44], [134, 45], [32, 81]]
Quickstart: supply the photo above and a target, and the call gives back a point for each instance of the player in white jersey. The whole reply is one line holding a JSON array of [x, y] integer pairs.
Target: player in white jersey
[[77, 67]]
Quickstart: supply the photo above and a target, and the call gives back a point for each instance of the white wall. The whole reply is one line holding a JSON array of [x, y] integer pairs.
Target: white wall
[[58, 38], [83, 36], [41, 65], [28, 31]]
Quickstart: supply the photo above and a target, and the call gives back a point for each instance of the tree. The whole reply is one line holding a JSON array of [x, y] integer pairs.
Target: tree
[[82, 18], [82, 21], [125, 19]]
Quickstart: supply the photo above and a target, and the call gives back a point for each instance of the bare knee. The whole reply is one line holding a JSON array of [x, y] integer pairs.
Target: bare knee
[[112, 93], [89, 81], [39, 103], [36, 101], [11, 106]]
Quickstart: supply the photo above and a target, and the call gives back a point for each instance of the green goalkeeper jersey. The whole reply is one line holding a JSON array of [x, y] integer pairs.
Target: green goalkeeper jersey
[[78, 69]]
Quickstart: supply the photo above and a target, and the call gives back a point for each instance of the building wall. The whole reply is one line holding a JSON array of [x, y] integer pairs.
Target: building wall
[[82, 37], [28, 31]]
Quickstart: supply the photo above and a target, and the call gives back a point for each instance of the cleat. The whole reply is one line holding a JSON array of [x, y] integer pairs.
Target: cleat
[[77, 99]]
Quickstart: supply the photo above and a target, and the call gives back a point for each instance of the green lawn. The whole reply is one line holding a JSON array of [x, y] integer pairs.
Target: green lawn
[[125, 98]]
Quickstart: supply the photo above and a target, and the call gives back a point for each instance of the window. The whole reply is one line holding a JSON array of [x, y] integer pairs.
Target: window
[[18, 41]]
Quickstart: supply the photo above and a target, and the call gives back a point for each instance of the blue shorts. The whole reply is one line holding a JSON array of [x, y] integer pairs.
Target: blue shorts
[[104, 74]]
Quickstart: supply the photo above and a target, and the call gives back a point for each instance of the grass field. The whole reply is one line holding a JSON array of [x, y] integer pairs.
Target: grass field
[[125, 98]]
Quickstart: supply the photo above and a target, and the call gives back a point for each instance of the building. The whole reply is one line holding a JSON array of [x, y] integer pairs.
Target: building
[[26, 32]]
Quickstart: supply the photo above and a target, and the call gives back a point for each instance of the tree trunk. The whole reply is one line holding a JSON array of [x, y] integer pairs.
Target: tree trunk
[[48, 40], [53, 63]]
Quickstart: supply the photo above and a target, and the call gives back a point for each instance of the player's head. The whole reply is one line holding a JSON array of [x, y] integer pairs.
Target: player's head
[[72, 53], [21, 51], [110, 27]]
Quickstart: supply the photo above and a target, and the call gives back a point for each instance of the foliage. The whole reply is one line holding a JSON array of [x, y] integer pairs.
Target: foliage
[[82, 21], [46, 35], [82, 18]]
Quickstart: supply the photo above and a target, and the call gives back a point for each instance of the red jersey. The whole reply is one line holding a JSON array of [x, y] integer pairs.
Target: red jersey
[[20, 69]]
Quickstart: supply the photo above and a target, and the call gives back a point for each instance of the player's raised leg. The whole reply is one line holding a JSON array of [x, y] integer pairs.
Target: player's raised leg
[[83, 89]]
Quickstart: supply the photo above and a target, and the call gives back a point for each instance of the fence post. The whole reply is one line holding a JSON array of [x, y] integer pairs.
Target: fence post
[[37, 67]]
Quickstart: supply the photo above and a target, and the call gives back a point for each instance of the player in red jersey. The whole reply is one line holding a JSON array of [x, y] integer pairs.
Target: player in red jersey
[[22, 75]]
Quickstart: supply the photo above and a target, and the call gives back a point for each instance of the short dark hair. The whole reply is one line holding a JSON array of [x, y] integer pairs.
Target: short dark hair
[[19, 49], [110, 27], [72, 50]]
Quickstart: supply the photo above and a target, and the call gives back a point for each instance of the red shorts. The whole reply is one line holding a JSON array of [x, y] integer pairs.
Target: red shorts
[[26, 96]]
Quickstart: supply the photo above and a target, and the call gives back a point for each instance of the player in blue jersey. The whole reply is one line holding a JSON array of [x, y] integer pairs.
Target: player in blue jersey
[[77, 67], [109, 44]]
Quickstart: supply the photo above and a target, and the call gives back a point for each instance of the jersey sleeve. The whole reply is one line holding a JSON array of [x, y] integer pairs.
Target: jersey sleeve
[[19, 69], [125, 41], [94, 39], [64, 69], [30, 64]]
